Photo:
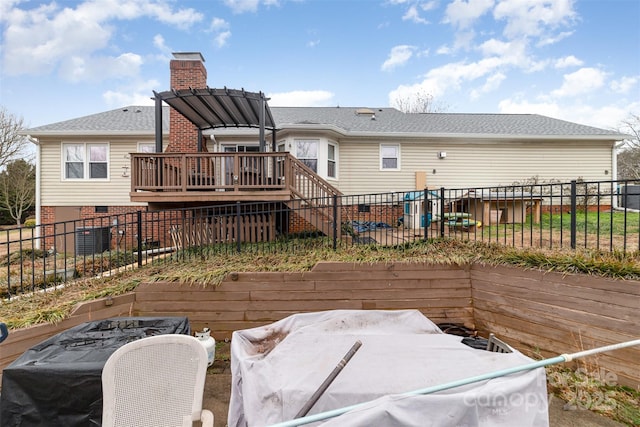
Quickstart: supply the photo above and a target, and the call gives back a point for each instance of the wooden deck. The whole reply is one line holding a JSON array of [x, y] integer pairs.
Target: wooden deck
[[190, 180], [210, 177]]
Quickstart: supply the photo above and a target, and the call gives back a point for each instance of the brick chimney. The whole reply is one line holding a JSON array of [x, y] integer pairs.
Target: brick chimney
[[187, 71]]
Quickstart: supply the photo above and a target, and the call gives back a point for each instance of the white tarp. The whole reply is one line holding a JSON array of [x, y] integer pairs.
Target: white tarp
[[277, 368]]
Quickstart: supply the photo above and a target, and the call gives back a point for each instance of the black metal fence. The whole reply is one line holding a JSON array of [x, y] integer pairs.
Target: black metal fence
[[602, 216]]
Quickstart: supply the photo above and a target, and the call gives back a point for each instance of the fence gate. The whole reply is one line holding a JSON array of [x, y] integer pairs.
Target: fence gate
[[246, 228]]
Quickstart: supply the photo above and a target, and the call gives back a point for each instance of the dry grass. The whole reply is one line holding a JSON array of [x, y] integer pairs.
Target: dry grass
[[595, 390], [211, 269]]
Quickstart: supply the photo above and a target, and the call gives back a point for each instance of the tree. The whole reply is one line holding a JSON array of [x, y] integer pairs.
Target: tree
[[12, 143], [419, 102], [629, 157], [18, 189]]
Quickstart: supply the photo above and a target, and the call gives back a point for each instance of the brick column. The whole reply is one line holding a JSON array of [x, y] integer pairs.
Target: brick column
[[187, 71]]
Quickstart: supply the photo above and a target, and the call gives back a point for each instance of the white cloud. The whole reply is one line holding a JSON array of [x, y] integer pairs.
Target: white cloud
[[40, 39], [78, 69], [605, 116], [444, 50], [301, 98], [553, 39], [430, 5], [582, 81], [6, 9], [410, 93], [159, 43], [464, 39], [242, 6], [181, 18], [624, 84], [463, 14], [412, 14], [491, 83], [568, 61], [135, 94], [221, 28], [218, 24], [494, 47], [313, 43], [398, 56], [220, 40], [533, 17], [509, 106]]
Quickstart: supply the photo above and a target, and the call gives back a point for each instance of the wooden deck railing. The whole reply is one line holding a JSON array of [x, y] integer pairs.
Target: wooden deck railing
[[208, 171]]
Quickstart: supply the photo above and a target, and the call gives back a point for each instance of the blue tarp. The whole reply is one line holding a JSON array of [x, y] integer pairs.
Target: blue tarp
[[362, 226]]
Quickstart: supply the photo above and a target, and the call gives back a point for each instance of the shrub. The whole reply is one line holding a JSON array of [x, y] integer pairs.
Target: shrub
[[30, 223]]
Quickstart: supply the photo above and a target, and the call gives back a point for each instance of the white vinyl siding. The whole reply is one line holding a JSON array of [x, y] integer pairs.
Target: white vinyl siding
[[472, 164], [56, 191]]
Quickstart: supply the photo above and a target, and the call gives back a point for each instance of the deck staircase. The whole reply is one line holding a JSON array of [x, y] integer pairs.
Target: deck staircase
[[314, 199]]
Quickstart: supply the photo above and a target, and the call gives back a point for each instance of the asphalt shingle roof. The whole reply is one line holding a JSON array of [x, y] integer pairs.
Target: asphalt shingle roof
[[132, 119], [394, 121], [141, 119]]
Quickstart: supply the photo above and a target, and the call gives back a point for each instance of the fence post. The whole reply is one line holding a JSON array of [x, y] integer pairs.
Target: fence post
[[425, 212], [441, 211], [335, 222], [139, 215], [573, 213], [238, 217]]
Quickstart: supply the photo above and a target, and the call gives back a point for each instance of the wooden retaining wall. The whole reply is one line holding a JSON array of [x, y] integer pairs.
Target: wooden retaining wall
[[248, 300], [548, 314], [539, 313]]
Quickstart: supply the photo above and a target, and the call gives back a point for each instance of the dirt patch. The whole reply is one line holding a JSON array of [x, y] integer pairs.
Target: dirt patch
[[217, 388]]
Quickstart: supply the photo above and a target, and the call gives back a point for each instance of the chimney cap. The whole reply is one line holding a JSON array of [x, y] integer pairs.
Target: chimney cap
[[188, 56]]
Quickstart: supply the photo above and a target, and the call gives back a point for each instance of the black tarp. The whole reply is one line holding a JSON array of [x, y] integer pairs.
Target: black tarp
[[58, 382]]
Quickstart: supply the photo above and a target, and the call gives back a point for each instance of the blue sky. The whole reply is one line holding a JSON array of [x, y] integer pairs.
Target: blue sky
[[576, 60]]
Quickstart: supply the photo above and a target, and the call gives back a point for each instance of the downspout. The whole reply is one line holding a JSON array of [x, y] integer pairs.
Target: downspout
[[614, 174], [38, 174], [614, 169], [158, 117]]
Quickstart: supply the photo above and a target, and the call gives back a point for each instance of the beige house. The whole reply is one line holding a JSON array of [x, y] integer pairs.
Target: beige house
[[109, 163]]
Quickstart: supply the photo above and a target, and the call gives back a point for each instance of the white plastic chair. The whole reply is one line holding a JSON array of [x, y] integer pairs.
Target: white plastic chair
[[496, 345], [156, 381]]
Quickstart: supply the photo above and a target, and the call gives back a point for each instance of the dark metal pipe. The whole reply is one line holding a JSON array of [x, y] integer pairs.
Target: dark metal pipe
[[332, 376]]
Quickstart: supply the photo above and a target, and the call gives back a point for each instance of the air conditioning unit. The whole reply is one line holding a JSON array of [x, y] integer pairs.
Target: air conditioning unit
[[92, 240]]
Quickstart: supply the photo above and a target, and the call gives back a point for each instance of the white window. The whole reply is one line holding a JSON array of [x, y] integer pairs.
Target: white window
[[331, 161], [307, 152], [86, 161], [146, 147], [389, 157]]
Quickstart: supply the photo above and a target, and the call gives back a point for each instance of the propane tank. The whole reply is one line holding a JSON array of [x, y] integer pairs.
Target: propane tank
[[208, 343]]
